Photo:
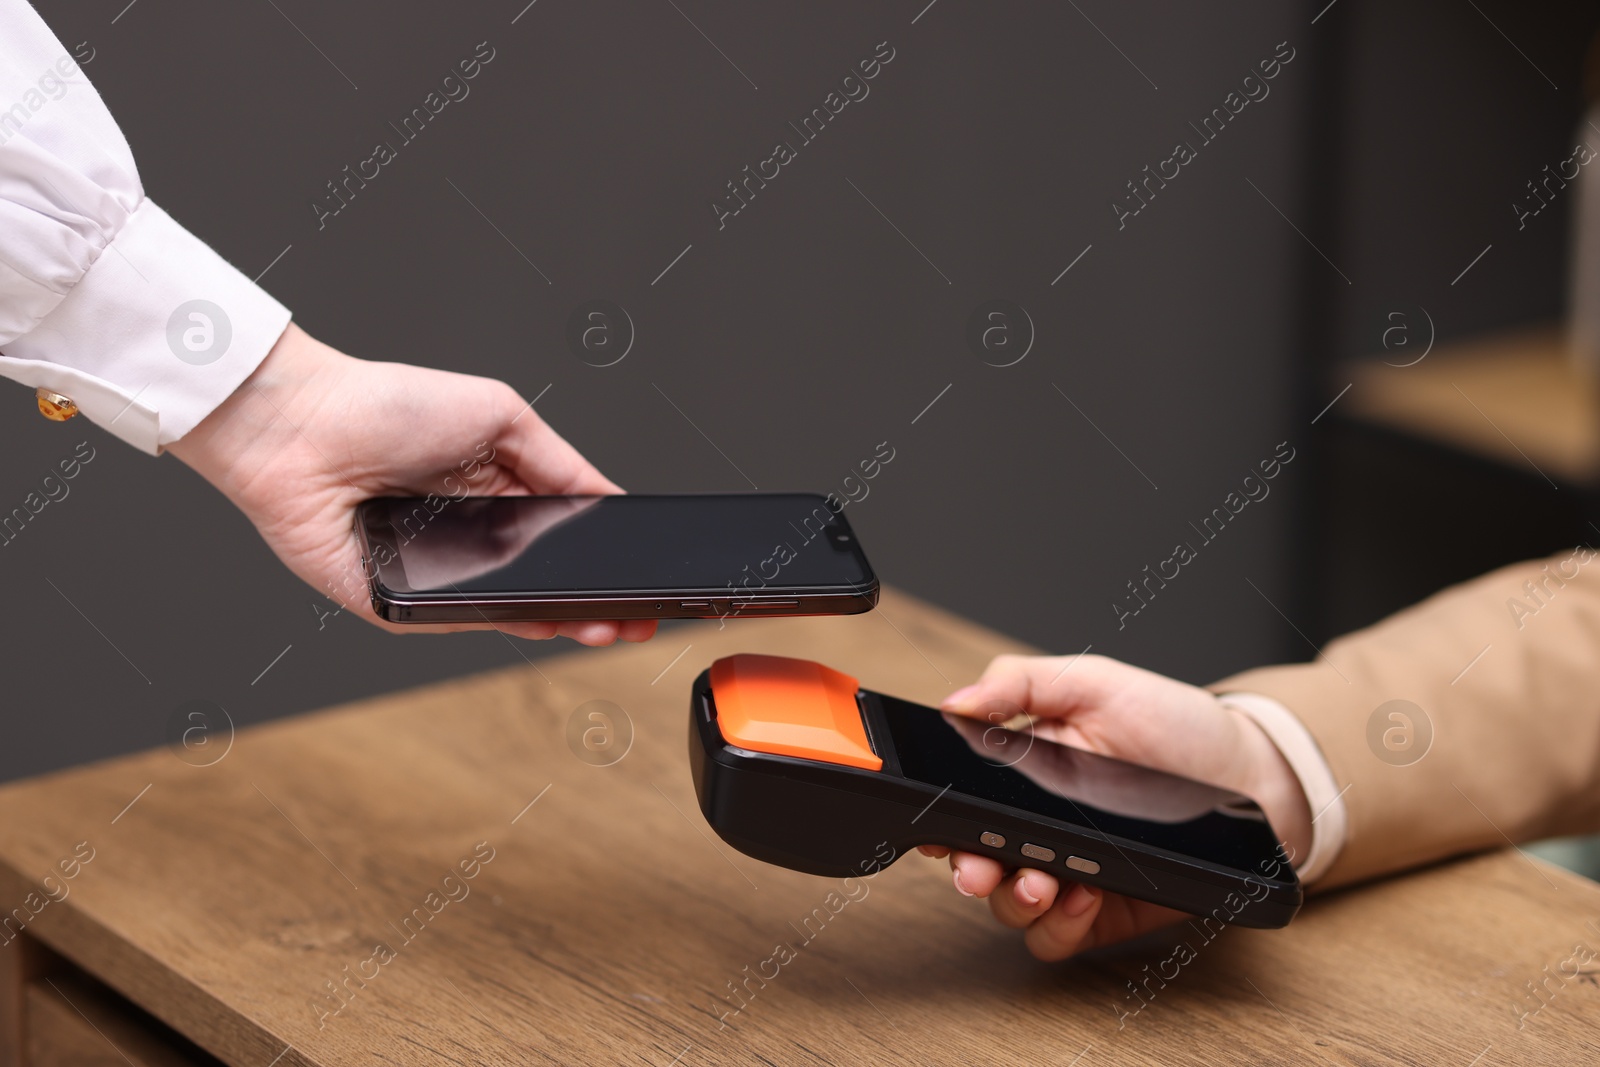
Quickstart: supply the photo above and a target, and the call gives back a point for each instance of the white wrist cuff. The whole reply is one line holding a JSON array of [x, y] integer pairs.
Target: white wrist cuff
[[1329, 820], [131, 347]]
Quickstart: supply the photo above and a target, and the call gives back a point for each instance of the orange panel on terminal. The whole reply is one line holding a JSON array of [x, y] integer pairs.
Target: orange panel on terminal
[[791, 707]]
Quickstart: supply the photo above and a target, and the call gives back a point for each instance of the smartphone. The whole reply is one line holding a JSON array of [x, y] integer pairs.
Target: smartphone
[[795, 764], [540, 558]]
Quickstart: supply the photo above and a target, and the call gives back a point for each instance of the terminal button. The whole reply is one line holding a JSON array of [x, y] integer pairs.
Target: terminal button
[[1039, 852], [992, 839]]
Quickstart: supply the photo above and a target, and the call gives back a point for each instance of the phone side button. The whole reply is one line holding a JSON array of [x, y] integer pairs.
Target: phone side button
[[741, 605], [1039, 852], [695, 605], [1083, 866], [992, 839]]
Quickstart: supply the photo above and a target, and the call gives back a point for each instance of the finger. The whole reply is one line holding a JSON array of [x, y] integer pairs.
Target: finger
[[364, 611], [1022, 898], [935, 852], [589, 632], [1048, 685], [1123, 917], [636, 630], [542, 458], [1068, 927], [975, 876], [528, 631], [585, 633]]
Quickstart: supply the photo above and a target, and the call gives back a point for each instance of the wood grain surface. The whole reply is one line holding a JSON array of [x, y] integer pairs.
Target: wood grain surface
[[604, 923]]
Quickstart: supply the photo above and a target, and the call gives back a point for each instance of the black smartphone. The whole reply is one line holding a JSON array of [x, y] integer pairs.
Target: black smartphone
[[795, 764], [541, 558]]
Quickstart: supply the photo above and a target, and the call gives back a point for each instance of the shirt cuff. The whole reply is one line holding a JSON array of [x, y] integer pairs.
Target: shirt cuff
[[1329, 821], [156, 334]]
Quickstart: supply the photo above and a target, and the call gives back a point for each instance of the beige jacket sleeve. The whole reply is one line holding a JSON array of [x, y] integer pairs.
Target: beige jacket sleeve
[[1499, 738]]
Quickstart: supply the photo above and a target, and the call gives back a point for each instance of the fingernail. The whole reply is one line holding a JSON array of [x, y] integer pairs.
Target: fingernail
[[1079, 900], [1025, 892], [960, 698], [963, 890], [927, 850]]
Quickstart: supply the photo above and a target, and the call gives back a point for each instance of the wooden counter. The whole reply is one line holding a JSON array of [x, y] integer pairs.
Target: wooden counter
[[229, 910]]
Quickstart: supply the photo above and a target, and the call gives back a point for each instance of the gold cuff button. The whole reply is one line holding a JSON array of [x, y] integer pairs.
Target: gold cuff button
[[55, 406]]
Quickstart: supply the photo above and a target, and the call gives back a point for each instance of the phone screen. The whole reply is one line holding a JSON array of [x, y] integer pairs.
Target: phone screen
[[1077, 787], [732, 544]]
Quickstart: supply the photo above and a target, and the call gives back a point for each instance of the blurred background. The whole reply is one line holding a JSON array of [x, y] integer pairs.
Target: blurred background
[[1367, 268]]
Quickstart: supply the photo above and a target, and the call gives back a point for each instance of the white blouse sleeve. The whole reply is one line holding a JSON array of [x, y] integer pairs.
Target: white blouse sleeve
[[104, 298]]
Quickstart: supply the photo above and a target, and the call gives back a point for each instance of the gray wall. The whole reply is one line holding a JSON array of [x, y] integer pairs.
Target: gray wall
[[1446, 121], [798, 337], [1445, 112]]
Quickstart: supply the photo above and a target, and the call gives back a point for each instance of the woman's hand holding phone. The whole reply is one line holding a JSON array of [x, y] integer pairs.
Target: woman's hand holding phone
[[1131, 714], [313, 432]]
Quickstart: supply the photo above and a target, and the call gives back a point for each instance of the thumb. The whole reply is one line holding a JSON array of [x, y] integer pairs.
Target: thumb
[[1047, 686], [544, 461]]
